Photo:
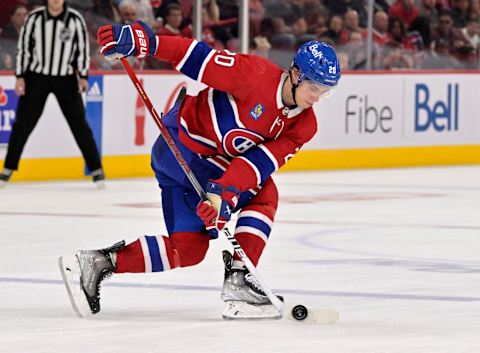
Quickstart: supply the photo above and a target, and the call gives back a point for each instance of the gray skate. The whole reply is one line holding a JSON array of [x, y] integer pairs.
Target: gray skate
[[91, 268], [244, 298]]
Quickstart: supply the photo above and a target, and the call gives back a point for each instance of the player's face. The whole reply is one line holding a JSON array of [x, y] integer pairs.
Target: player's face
[[309, 92]]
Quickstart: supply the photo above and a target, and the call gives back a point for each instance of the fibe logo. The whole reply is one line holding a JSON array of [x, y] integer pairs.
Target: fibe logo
[[8, 105], [442, 115], [369, 118]]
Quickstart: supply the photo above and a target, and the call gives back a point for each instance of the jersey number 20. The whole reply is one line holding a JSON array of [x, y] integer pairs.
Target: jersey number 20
[[225, 60]]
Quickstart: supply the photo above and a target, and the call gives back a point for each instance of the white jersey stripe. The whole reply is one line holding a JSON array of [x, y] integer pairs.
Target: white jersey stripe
[[163, 252], [213, 115], [257, 215], [56, 50], [218, 165], [197, 137], [146, 254], [279, 90], [253, 231], [235, 110], [204, 64], [187, 54], [47, 54]]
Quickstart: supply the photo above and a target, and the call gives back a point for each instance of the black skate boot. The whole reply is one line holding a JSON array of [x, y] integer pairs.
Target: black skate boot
[[92, 267], [5, 176], [243, 295], [98, 177]]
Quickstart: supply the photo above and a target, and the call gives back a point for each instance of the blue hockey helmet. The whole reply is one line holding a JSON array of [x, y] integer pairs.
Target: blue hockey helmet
[[317, 61]]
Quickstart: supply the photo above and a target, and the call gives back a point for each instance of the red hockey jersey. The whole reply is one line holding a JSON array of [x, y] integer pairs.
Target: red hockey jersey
[[241, 114]]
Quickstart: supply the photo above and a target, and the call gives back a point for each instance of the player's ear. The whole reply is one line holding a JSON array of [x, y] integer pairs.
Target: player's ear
[[294, 73]]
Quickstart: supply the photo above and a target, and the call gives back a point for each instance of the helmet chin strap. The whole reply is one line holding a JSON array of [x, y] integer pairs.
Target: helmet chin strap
[[294, 87]]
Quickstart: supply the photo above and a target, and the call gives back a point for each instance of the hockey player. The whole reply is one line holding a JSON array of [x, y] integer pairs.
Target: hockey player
[[234, 134]]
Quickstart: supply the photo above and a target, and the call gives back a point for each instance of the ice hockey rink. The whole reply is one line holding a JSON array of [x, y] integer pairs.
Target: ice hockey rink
[[395, 251]]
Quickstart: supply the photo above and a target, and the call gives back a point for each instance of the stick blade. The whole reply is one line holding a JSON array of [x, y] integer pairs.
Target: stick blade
[[315, 315]]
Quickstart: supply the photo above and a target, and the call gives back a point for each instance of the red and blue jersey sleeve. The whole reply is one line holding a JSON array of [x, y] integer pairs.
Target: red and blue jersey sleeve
[[222, 70]]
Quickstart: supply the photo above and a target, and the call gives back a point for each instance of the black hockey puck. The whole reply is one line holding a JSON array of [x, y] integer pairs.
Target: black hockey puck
[[299, 312]]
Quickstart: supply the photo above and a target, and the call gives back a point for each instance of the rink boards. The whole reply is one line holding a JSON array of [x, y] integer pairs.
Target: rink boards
[[372, 120]]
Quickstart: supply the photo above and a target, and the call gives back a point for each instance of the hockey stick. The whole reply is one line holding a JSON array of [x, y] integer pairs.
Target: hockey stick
[[196, 185]]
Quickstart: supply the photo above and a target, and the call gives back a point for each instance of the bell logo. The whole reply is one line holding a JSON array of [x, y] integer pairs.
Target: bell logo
[[442, 115], [316, 53]]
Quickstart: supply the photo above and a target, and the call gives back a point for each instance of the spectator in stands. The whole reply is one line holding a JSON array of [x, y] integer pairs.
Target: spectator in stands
[[9, 35], [212, 9], [474, 11], [172, 21], [161, 11], [460, 13], [128, 12], [343, 60], [421, 26], [351, 21], [256, 13], [6, 10], [340, 7], [405, 10], [439, 58], [145, 12], [380, 28], [106, 11], [282, 41], [356, 51], [428, 9], [299, 27], [395, 52], [316, 16], [17, 20], [383, 5], [336, 32], [471, 33], [451, 38], [6, 61]]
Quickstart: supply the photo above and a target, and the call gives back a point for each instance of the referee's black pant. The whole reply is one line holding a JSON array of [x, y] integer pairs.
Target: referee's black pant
[[30, 107]]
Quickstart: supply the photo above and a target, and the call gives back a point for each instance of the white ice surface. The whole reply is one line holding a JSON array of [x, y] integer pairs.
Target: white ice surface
[[396, 252]]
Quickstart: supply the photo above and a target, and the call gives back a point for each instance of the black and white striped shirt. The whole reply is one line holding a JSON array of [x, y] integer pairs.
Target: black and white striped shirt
[[54, 46]]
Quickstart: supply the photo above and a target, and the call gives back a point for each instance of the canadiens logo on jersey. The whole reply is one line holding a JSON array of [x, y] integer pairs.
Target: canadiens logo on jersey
[[239, 141], [258, 110]]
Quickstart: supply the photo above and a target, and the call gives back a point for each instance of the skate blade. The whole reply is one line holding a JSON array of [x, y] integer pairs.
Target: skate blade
[[315, 315], [238, 310], [70, 269], [100, 184]]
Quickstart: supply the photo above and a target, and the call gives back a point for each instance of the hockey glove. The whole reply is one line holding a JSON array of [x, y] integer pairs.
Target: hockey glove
[[117, 41], [217, 210]]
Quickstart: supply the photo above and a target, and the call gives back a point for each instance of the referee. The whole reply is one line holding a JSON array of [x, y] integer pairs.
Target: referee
[[52, 51]]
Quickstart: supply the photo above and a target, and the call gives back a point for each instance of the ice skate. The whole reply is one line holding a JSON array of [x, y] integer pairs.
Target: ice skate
[[90, 268], [243, 296], [5, 176], [98, 177]]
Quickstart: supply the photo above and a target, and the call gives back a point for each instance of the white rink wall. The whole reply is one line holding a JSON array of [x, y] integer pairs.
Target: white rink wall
[[372, 120]]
